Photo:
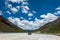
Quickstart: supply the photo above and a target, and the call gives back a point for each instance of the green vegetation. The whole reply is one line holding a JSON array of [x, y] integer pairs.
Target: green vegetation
[[53, 27]]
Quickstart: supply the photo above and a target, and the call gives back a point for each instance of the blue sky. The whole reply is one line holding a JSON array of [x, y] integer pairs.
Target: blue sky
[[37, 9], [44, 6], [40, 6]]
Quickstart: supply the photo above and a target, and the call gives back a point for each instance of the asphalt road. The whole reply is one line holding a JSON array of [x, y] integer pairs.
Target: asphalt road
[[25, 36]]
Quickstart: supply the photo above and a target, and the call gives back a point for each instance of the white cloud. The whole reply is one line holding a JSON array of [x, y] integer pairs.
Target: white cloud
[[39, 22], [49, 17], [24, 10], [8, 12], [30, 14], [0, 12], [57, 11], [14, 10], [16, 1], [18, 7], [33, 25], [9, 5], [58, 8], [25, 24], [26, 7], [11, 19], [25, 3]]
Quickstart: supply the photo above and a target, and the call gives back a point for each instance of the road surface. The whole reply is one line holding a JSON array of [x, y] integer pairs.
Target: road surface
[[25, 36]]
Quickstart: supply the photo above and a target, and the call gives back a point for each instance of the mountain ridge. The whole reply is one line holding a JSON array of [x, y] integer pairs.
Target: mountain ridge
[[52, 27], [7, 26]]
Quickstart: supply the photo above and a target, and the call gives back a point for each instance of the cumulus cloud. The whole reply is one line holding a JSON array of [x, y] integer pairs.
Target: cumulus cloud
[[24, 10], [11, 8], [58, 8], [25, 24], [25, 3], [17, 1], [39, 22], [49, 17], [26, 7], [18, 7], [14, 10], [33, 25], [30, 14], [9, 5], [11, 20], [14, 1], [58, 11], [23, 7]]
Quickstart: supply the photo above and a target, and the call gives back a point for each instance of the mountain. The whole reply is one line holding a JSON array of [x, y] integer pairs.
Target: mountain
[[52, 27], [7, 26]]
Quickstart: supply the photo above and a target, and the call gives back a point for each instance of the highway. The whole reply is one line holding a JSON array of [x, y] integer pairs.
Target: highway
[[25, 36]]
